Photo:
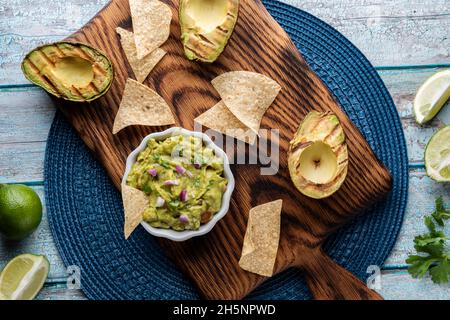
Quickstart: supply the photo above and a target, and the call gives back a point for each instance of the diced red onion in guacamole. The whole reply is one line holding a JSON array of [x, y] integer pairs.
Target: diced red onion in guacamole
[[152, 172], [171, 182], [159, 202], [189, 174], [180, 169], [197, 165], [184, 218], [183, 195]]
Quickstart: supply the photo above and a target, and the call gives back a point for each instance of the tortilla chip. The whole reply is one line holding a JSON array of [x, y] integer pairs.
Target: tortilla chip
[[141, 67], [134, 203], [261, 238], [248, 95], [220, 119], [151, 25], [141, 105]]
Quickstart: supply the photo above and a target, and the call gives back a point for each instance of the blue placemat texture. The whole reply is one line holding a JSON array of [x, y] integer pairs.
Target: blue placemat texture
[[85, 210]]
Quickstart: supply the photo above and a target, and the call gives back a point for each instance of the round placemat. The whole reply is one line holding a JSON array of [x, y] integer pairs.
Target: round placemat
[[85, 210]]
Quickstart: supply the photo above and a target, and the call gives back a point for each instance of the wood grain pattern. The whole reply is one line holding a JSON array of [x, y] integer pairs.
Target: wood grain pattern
[[27, 114], [325, 278], [212, 260], [389, 33], [27, 111]]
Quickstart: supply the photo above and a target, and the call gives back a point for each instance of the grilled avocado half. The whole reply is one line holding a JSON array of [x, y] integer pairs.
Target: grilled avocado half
[[68, 70], [318, 155], [206, 27]]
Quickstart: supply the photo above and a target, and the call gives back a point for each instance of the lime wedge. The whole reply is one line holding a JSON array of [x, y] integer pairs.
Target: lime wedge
[[437, 155], [23, 277], [431, 96]]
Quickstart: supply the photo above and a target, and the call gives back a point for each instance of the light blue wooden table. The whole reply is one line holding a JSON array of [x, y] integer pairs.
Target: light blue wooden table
[[407, 41]]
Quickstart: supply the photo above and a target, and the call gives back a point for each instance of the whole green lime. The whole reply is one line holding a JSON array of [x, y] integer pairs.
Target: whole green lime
[[20, 211]]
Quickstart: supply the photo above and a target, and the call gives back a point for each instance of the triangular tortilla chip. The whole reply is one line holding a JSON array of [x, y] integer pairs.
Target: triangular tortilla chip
[[261, 238], [221, 119], [247, 95], [151, 25], [134, 203], [141, 105], [141, 67]]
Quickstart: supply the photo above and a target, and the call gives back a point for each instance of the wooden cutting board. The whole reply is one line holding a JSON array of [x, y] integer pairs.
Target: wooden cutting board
[[258, 44]]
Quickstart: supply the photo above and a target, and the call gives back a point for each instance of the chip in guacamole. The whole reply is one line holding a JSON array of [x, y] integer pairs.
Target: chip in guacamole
[[183, 180], [134, 203]]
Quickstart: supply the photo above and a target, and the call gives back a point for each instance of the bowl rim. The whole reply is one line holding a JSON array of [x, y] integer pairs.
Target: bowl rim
[[226, 197]]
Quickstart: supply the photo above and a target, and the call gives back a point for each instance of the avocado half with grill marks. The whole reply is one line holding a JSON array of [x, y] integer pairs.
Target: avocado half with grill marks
[[206, 27], [318, 156], [69, 70]]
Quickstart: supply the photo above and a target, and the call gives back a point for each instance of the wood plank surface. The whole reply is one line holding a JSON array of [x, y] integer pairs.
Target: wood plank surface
[[38, 243], [53, 22], [422, 194], [389, 33], [59, 291]]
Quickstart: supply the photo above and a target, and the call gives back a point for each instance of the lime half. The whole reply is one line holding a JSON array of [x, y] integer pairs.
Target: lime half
[[23, 277], [437, 155], [432, 96]]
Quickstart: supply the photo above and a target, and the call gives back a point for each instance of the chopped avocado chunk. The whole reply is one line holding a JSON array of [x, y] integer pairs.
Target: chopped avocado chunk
[[206, 27], [182, 194], [68, 70]]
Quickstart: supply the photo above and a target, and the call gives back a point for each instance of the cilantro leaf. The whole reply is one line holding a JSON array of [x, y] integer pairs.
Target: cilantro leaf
[[165, 164], [433, 256], [419, 265], [174, 204], [430, 224], [441, 272], [440, 214]]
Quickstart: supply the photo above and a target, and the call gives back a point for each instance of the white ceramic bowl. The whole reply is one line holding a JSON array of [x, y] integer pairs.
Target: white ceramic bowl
[[205, 228]]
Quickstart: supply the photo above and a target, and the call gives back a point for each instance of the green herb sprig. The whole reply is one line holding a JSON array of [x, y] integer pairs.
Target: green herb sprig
[[433, 254]]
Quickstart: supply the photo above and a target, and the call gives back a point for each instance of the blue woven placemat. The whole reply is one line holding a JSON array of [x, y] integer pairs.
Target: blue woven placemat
[[85, 211]]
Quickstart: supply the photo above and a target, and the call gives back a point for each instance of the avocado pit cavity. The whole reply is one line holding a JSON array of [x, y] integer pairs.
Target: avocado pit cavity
[[74, 71], [207, 15], [206, 27], [318, 163]]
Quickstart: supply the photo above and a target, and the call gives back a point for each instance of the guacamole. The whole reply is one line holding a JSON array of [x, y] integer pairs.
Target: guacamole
[[184, 182]]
